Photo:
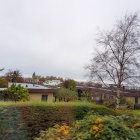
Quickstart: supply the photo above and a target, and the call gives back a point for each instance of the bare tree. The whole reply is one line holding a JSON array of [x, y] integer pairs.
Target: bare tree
[[117, 61], [14, 76]]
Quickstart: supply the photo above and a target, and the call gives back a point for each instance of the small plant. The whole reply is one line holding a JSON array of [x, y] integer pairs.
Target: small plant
[[128, 104], [58, 132], [109, 104]]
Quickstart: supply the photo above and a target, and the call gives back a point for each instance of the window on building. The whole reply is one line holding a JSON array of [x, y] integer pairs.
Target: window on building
[[136, 100], [44, 97]]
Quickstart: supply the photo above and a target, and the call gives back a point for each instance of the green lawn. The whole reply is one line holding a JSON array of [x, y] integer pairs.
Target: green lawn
[[137, 112]]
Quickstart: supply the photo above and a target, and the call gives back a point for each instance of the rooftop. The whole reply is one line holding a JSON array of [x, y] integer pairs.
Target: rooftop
[[29, 86]]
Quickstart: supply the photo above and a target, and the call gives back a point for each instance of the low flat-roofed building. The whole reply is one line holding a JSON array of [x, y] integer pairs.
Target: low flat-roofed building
[[100, 95], [37, 92]]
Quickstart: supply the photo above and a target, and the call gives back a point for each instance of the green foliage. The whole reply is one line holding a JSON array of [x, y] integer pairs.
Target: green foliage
[[99, 123], [70, 84], [137, 112], [39, 116], [81, 111], [11, 125], [103, 128], [58, 132], [3, 83], [66, 95], [15, 93], [109, 104], [86, 95], [96, 127], [124, 104], [132, 121], [128, 104]]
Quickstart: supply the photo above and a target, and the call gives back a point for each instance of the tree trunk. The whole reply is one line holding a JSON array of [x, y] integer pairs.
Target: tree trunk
[[118, 98]]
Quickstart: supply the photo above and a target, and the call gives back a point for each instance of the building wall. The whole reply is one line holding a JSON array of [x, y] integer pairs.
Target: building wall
[[50, 97], [38, 96], [96, 97], [35, 96], [138, 100], [131, 99]]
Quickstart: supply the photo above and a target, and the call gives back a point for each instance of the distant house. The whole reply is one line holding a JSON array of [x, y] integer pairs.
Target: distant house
[[37, 92], [131, 87], [52, 82], [31, 80], [28, 80]]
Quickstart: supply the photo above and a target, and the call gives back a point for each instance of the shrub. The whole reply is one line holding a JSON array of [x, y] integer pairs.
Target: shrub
[[66, 95], [132, 121], [58, 132], [70, 84], [94, 127], [41, 116], [124, 104], [103, 128], [81, 111], [3, 83], [15, 93], [128, 104], [109, 104]]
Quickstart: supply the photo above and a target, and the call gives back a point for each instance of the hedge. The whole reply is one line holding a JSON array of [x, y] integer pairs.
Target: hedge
[[96, 127], [41, 116]]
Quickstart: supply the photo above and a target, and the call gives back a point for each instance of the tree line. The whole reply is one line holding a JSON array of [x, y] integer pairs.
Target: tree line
[[16, 76]]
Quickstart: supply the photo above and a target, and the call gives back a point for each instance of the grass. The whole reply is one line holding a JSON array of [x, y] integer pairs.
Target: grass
[[78, 107], [137, 112], [33, 103], [7, 103]]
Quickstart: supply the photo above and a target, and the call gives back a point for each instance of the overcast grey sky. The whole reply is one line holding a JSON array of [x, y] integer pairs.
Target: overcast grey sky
[[55, 37]]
